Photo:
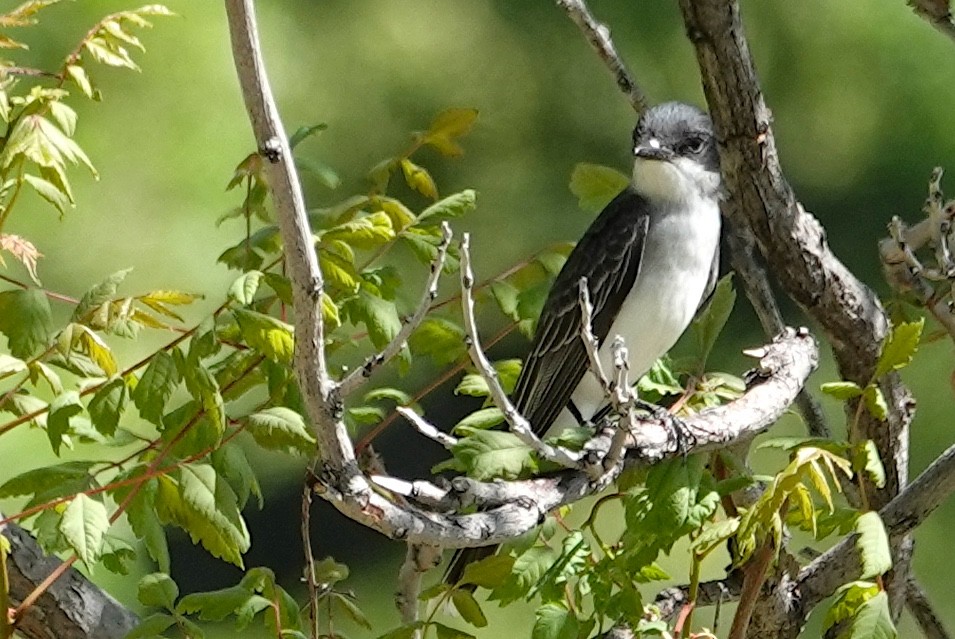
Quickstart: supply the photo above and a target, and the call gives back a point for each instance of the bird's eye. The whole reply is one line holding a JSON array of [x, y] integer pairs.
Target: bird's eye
[[693, 145]]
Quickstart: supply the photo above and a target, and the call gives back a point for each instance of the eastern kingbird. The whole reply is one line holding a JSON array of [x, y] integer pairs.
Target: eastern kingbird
[[650, 259]]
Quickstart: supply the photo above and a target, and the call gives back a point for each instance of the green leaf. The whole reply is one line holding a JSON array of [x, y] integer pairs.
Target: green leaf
[[709, 324], [419, 179], [152, 626], [847, 602], [900, 347], [83, 525], [487, 454], [403, 632], [505, 294], [440, 339], [480, 419], [304, 132], [489, 572], [243, 289], [59, 422], [527, 573], [447, 632], [595, 185], [69, 477], [230, 461], [365, 232], [107, 405], [79, 77], [401, 216], [841, 390], [100, 294], [206, 507], [145, 523], [378, 315], [156, 386], [448, 125], [873, 620], [468, 607], [280, 428], [266, 335], [27, 321], [216, 605], [50, 192], [329, 571], [554, 621], [873, 545], [451, 207], [472, 385], [343, 606], [866, 459], [158, 590], [875, 401]]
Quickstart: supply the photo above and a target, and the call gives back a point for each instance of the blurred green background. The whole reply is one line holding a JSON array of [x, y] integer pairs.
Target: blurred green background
[[861, 93]]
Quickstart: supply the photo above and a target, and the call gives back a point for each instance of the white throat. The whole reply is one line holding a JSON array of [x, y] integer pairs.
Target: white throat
[[677, 180]]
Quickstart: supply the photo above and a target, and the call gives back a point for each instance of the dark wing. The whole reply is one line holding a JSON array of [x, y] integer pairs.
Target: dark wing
[[609, 256]]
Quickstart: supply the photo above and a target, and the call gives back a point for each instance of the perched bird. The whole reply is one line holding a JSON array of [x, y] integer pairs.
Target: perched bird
[[650, 259]]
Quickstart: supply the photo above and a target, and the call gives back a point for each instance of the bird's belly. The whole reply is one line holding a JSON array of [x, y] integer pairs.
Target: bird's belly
[[673, 276]]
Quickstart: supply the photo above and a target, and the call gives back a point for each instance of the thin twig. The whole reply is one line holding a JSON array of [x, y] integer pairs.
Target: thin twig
[[358, 376], [598, 35], [518, 423], [426, 429]]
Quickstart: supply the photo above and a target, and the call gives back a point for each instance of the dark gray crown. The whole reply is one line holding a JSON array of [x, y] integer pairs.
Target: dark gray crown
[[680, 128]]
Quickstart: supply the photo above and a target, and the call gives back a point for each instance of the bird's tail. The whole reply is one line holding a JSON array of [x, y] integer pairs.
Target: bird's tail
[[461, 559]]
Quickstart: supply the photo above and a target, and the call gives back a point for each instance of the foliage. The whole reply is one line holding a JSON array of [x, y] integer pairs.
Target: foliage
[[164, 440]]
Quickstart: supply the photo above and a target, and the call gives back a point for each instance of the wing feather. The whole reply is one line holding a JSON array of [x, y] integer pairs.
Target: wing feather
[[609, 257]]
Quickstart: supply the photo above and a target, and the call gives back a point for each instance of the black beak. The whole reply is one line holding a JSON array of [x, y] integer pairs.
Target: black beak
[[652, 153]]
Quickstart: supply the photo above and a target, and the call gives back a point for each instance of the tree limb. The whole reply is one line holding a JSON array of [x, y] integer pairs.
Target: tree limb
[[72, 608], [937, 12]]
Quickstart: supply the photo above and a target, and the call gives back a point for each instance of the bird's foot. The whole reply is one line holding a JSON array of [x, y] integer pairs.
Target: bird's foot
[[679, 433]]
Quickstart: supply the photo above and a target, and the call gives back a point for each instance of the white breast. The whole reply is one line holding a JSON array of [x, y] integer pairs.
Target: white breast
[[678, 255]]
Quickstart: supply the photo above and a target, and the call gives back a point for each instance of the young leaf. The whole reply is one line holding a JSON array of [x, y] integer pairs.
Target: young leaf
[[875, 401], [866, 459], [378, 315], [710, 323], [63, 409], [267, 335], [441, 339], [900, 347], [873, 545], [152, 626], [448, 125], [304, 132], [595, 185], [158, 590], [83, 525], [27, 321], [107, 405], [243, 289], [490, 453], [480, 419], [281, 428], [468, 607], [156, 386], [841, 390], [449, 208], [98, 295], [554, 621], [419, 179], [490, 572]]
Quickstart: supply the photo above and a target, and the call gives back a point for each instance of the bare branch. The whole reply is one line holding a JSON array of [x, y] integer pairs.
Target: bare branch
[[358, 376], [925, 615], [518, 423], [598, 35], [794, 244], [426, 429], [72, 608], [903, 269], [418, 560], [937, 13], [318, 391]]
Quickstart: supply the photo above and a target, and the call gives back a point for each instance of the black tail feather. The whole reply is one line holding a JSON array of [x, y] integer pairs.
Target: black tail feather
[[461, 559]]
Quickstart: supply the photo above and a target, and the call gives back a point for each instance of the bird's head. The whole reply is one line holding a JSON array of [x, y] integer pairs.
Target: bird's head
[[675, 153]]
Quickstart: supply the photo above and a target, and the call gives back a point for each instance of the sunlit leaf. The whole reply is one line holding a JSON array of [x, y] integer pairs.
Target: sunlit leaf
[[595, 185], [84, 524]]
